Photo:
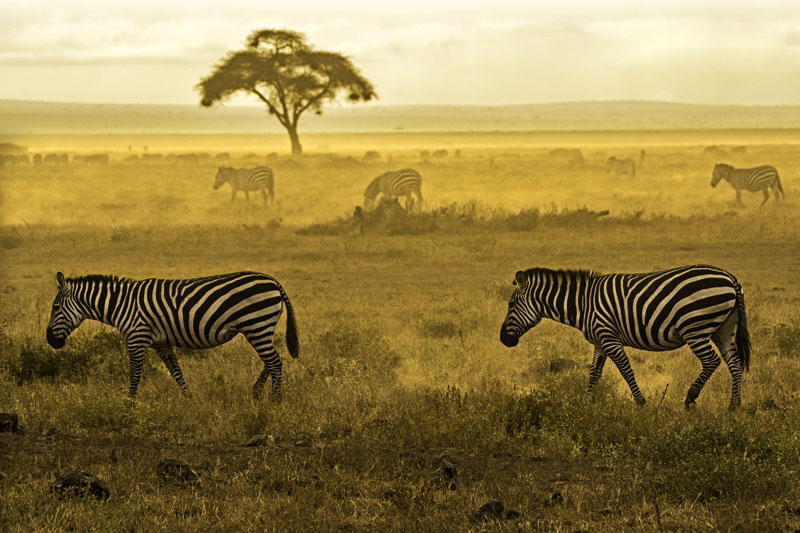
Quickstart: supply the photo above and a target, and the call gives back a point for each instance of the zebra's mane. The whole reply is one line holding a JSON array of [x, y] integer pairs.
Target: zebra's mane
[[97, 278], [570, 274]]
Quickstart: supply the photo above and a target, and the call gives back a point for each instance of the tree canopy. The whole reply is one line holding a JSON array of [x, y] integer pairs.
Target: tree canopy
[[288, 76]]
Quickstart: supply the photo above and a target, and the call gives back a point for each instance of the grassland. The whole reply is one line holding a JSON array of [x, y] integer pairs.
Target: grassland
[[404, 412]]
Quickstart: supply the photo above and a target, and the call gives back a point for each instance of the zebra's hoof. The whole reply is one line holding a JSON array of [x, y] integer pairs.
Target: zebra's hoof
[[690, 405], [733, 406], [639, 401]]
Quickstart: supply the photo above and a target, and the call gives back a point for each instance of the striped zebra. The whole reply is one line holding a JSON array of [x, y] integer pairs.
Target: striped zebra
[[395, 183], [755, 179], [621, 167], [247, 179], [187, 313], [654, 311]]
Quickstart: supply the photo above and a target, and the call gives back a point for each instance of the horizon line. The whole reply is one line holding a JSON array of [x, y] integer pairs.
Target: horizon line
[[379, 105]]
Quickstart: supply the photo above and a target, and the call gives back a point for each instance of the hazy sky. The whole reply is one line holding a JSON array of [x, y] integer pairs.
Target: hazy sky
[[416, 52]]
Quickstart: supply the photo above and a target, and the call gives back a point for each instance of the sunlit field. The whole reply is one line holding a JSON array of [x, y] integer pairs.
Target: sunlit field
[[404, 411]]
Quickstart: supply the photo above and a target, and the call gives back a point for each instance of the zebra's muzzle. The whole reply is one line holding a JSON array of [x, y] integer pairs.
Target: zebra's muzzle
[[508, 339], [53, 341]]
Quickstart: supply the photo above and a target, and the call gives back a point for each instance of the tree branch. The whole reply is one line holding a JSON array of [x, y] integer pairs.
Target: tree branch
[[284, 120]]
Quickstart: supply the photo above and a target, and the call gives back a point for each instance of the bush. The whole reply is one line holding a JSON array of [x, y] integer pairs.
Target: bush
[[36, 362]]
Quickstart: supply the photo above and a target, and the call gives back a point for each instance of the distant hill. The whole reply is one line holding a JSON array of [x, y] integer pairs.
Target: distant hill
[[27, 117]]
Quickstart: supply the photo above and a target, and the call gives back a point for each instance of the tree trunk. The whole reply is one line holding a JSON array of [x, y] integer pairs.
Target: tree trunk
[[297, 148]]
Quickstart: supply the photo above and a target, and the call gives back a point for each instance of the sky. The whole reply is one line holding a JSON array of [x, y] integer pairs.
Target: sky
[[415, 52]]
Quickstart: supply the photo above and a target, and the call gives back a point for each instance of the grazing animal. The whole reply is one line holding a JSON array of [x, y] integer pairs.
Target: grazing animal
[[247, 179], [392, 184], [92, 159], [570, 156], [621, 167], [755, 179], [657, 311], [56, 159], [187, 313]]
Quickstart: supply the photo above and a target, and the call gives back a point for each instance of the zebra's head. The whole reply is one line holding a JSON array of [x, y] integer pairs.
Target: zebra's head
[[65, 316], [522, 314], [720, 171], [222, 177]]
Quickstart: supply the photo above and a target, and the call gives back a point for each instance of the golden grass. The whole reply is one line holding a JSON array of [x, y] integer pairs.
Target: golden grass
[[401, 365]]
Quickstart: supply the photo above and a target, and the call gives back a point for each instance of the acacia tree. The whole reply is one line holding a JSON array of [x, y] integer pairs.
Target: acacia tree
[[288, 75]]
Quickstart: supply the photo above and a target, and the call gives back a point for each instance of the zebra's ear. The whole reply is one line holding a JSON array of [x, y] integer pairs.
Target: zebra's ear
[[62, 283], [520, 279]]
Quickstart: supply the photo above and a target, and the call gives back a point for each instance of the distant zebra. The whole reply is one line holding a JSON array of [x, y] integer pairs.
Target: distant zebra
[[247, 179], [621, 167], [187, 313], [395, 183], [751, 179], [654, 311]]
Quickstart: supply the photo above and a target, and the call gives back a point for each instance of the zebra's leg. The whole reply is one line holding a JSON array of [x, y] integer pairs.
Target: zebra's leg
[[614, 350], [234, 190], [136, 356], [739, 197], [765, 190], [710, 361], [261, 341], [725, 340], [596, 371], [247, 195], [264, 196], [166, 354]]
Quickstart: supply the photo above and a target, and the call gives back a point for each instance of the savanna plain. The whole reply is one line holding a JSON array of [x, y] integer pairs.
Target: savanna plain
[[404, 412]]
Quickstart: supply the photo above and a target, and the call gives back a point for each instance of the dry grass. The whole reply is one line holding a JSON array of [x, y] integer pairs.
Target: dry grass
[[402, 372]]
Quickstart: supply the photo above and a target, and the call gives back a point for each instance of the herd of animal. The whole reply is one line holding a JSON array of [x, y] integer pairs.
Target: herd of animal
[[700, 305], [407, 183]]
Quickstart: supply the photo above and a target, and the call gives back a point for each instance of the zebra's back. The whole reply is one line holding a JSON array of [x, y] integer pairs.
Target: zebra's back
[[753, 179], [400, 182], [658, 310], [205, 312], [252, 179], [625, 166]]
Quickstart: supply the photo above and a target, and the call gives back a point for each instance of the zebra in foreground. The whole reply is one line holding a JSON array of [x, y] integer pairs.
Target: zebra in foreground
[[755, 179], [654, 311], [621, 167], [395, 183], [187, 313], [247, 179]]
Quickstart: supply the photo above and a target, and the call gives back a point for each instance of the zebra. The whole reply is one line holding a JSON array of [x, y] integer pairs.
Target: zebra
[[654, 311], [406, 182], [194, 313], [624, 167], [247, 179], [755, 179]]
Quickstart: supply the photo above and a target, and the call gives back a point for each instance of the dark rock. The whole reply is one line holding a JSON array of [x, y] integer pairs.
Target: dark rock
[[445, 468], [9, 423], [176, 472], [556, 498], [491, 510], [562, 365], [511, 514], [80, 484], [257, 440]]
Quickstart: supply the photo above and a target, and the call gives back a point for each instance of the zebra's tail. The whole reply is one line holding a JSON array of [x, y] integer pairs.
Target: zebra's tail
[[780, 187], [742, 334], [292, 343]]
